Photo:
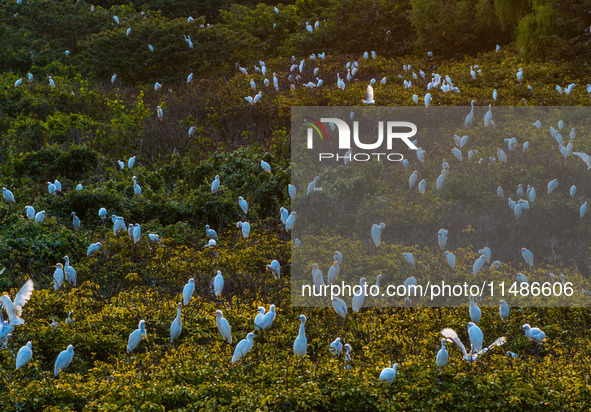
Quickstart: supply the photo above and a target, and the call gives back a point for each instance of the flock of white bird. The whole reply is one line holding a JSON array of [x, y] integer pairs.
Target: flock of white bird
[[264, 320]]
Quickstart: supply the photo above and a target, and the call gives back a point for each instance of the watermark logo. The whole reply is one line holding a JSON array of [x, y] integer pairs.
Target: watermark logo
[[387, 131]]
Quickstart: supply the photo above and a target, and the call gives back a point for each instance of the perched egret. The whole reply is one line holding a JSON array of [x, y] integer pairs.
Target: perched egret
[[243, 347], [476, 337], [300, 345], [269, 317], [369, 98], [177, 324], [312, 186], [14, 308], [442, 238], [583, 209], [336, 347], [58, 276], [275, 269], [223, 326], [451, 259], [215, 185], [333, 272], [528, 256], [159, 113], [290, 222], [75, 220], [136, 188], [188, 290], [218, 284], [359, 296], [40, 216], [291, 190], [30, 212], [258, 319], [70, 272], [340, 307], [24, 355], [442, 356], [478, 264], [534, 334], [266, 167], [389, 374], [552, 185], [137, 336], [94, 247], [475, 312], [470, 117], [245, 226], [412, 180], [243, 205], [8, 196], [376, 233], [63, 360], [317, 276], [503, 310]]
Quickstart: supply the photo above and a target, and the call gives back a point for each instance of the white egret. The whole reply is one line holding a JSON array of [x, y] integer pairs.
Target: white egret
[[223, 326], [476, 337], [300, 344], [151, 48], [269, 317], [14, 308], [475, 312], [376, 233], [486, 252], [488, 117], [312, 186], [521, 278], [457, 153], [336, 347], [114, 76], [218, 284], [215, 185], [130, 162], [339, 306], [389, 374], [290, 222], [210, 233], [573, 190], [116, 19], [58, 276], [442, 238], [291, 190], [412, 180], [94, 247], [8, 196], [338, 256], [534, 334], [440, 180], [177, 324], [451, 259], [527, 256], [75, 220], [442, 357], [369, 98], [30, 212], [410, 259], [40, 216], [333, 272], [189, 77], [258, 319], [188, 290], [136, 188], [427, 99], [243, 347], [266, 167], [585, 157], [583, 209], [494, 95], [154, 237], [102, 213], [552, 185], [137, 336], [79, 186], [70, 272], [478, 264], [243, 204], [63, 360], [24, 355], [317, 276], [470, 117], [504, 310], [359, 296], [159, 113], [502, 155], [245, 226], [275, 269], [51, 188], [520, 75]]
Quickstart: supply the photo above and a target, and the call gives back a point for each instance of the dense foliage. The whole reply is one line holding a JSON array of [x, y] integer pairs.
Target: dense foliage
[[78, 130]]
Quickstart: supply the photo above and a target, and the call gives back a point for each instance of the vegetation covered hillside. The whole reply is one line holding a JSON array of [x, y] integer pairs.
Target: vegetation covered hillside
[[86, 87]]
